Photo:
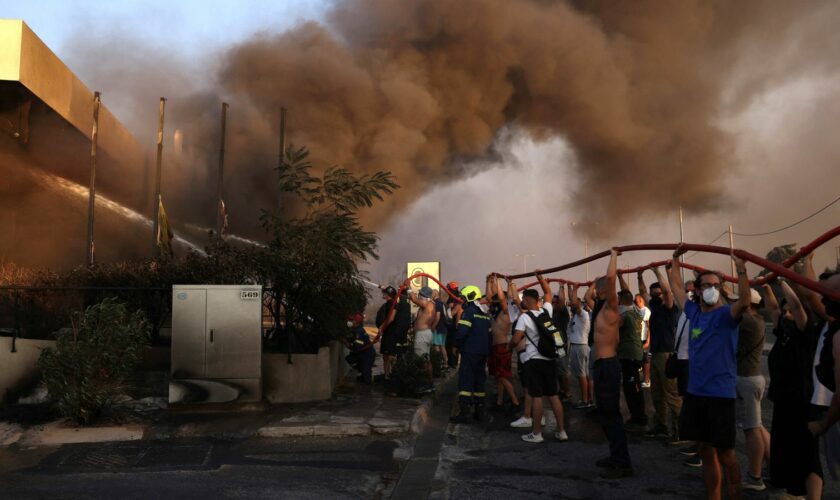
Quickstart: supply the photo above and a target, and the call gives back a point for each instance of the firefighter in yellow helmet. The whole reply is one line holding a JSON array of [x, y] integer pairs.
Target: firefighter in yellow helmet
[[473, 340]]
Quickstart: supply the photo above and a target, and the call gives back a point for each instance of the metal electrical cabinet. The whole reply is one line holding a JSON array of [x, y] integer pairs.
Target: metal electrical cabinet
[[216, 343]]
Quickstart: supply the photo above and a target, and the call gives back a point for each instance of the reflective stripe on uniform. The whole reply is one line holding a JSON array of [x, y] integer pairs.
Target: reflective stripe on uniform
[[465, 393], [479, 394], [360, 341], [465, 322], [481, 316]]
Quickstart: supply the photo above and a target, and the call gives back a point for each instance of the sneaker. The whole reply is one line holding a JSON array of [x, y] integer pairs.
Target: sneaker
[[532, 438], [753, 483], [646, 385], [694, 461], [581, 405], [522, 423], [689, 451], [675, 440], [617, 472], [561, 436]]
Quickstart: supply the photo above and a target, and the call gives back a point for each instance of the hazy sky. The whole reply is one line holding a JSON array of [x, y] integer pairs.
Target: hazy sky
[[785, 144], [195, 26]]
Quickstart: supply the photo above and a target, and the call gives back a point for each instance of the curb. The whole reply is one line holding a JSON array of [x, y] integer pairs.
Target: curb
[[60, 432]]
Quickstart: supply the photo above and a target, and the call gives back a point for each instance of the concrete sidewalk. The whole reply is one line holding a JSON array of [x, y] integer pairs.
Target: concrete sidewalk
[[354, 410]]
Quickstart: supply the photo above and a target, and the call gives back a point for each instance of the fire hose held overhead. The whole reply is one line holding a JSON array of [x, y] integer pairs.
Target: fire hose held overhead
[[775, 269]]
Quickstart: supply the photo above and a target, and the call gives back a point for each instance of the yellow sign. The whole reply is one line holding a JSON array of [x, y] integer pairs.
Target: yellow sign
[[430, 268]]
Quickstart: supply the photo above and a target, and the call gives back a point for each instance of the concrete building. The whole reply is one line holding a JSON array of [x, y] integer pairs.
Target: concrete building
[[46, 118]]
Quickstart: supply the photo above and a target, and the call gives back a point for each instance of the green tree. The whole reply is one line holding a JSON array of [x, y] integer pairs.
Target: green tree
[[780, 254], [312, 256]]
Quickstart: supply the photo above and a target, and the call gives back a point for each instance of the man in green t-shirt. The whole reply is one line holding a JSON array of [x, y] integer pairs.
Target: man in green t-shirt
[[631, 354]]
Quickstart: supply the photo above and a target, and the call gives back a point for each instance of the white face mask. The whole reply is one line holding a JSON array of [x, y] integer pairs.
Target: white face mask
[[349, 324], [624, 309], [711, 296]]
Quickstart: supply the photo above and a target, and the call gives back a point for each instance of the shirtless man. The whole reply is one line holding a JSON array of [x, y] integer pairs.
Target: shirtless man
[[499, 362], [607, 379], [423, 324]]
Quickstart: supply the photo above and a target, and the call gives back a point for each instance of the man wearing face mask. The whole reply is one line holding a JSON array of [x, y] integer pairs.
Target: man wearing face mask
[[708, 411], [361, 355]]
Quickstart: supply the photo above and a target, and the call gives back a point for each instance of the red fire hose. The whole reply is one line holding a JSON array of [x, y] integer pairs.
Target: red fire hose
[[775, 269], [404, 286]]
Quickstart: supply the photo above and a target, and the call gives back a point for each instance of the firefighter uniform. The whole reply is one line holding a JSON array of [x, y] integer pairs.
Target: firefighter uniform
[[473, 339]]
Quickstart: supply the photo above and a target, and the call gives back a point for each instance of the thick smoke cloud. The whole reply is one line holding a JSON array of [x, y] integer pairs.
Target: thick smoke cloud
[[414, 86], [636, 89]]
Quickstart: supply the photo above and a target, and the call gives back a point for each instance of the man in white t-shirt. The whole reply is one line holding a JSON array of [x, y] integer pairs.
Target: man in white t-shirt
[[540, 371], [640, 303], [578, 330]]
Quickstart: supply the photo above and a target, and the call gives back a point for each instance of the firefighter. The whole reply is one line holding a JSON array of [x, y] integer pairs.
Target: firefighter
[[473, 339]]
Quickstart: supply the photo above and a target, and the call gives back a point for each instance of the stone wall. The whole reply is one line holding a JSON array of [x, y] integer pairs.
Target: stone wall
[[310, 377]]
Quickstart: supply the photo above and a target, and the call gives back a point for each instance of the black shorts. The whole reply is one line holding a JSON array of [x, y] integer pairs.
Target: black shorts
[[392, 344], [708, 420], [520, 369], [541, 376]]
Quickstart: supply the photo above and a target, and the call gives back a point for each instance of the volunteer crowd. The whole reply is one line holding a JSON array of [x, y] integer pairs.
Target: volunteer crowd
[[693, 347]]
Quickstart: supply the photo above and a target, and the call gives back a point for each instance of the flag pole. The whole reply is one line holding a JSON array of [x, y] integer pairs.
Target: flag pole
[[282, 159], [219, 216], [158, 168], [94, 135]]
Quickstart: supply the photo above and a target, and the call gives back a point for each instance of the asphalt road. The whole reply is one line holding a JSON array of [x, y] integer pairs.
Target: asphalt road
[[196, 468], [480, 460]]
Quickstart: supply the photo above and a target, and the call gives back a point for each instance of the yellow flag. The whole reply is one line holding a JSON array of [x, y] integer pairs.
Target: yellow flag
[[164, 233], [223, 214]]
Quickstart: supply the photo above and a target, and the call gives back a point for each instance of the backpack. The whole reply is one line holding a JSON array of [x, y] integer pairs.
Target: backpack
[[825, 369], [550, 342]]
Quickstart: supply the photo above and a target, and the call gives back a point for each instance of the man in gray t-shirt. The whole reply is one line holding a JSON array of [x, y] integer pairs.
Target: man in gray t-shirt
[[578, 330], [750, 387]]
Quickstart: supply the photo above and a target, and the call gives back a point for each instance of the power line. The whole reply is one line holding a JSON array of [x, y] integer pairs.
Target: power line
[[823, 209], [790, 225], [709, 243]]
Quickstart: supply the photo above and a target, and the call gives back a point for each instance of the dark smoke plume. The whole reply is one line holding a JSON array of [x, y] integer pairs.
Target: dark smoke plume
[[414, 86]]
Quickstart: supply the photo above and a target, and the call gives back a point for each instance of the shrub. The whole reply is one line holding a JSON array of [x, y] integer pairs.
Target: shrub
[[87, 367], [409, 374]]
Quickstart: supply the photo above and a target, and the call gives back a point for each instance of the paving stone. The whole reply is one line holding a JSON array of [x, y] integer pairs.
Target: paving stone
[[341, 430], [279, 431]]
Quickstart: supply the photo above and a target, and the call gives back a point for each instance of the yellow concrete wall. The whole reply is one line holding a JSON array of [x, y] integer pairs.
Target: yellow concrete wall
[[43, 73], [10, 40]]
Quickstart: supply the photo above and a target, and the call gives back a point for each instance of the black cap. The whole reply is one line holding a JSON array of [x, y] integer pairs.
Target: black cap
[[389, 291], [531, 293]]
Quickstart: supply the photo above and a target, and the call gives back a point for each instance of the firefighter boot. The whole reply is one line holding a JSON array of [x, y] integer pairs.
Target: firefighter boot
[[463, 416], [478, 412]]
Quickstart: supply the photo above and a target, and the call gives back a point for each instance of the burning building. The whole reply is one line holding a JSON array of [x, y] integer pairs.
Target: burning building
[[46, 120]]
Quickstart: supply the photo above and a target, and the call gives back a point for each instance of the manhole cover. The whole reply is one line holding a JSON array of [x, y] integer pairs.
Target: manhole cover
[[102, 458]]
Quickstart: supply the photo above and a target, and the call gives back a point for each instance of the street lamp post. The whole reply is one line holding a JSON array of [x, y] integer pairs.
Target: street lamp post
[[525, 260], [585, 249]]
